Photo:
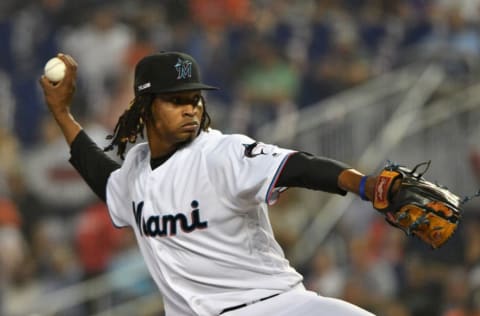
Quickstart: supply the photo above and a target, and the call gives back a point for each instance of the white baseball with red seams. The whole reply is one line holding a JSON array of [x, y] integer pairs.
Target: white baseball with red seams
[[55, 69]]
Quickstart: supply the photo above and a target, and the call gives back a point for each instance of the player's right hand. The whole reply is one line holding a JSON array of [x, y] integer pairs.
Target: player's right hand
[[58, 96]]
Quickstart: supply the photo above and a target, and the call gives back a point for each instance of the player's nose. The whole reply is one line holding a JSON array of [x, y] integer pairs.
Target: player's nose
[[190, 109]]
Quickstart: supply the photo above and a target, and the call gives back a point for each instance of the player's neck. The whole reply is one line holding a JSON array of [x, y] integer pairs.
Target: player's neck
[[158, 150], [159, 147], [158, 161]]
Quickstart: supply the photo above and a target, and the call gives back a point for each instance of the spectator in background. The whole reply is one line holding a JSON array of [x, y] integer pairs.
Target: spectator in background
[[372, 27], [421, 292], [471, 241], [337, 57], [463, 40], [100, 45], [289, 217], [31, 39], [13, 250], [97, 241], [51, 179], [55, 261], [122, 93], [327, 276], [219, 14], [127, 260], [393, 308], [7, 103], [209, 44], [10, 166], [455, 294], [267, 90], [367, 273]]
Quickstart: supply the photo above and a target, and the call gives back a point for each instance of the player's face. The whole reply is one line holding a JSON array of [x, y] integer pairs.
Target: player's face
[[177, 117]]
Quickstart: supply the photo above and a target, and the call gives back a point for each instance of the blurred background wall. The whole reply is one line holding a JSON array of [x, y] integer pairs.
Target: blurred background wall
[[363, 81]]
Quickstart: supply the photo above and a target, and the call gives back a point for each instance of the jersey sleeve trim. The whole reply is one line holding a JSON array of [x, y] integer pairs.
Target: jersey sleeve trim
[[273, 192], [117, 226]]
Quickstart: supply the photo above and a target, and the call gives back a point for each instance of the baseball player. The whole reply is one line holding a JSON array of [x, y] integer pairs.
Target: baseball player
[[197, 199]]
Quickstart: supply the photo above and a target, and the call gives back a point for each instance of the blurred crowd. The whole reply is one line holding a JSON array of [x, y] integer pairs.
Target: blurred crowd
[[270, 58]]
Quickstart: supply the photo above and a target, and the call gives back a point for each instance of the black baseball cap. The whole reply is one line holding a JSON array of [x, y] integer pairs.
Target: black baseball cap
[[168, 72]]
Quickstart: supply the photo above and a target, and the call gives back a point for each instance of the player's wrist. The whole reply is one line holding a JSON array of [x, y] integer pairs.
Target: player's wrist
[[366, 189], [62, 114]]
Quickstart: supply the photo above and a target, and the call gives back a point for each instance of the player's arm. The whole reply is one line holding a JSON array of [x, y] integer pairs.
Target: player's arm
[[89, 160], [324, 174], [92, 163]]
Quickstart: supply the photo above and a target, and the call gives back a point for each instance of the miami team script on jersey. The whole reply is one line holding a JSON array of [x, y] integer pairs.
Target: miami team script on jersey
[[201, 221]]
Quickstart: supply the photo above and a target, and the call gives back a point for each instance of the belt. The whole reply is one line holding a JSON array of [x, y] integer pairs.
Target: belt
[[229, 309]]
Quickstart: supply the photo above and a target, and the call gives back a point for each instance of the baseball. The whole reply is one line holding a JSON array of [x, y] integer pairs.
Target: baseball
[[55, 69]]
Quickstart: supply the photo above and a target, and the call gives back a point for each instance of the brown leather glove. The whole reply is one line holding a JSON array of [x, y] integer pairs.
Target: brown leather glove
[[416, 205]]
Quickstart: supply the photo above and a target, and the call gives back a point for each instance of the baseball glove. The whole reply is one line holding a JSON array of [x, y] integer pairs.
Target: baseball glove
[[416, 205]]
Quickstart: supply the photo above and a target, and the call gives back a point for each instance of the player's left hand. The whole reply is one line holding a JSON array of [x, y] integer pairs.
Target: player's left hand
[[416, 205]]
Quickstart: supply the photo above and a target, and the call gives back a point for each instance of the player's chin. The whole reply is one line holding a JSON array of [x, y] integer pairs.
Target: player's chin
[[185, 141], [187, 136]]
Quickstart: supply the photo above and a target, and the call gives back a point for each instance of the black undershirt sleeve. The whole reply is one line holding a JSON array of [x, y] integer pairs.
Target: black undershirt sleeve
[[301, 170], [308, 171], [92, 163]]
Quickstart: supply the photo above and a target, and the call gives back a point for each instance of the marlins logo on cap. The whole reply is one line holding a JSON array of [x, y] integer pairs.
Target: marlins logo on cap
[[184, 68], [168, 72]]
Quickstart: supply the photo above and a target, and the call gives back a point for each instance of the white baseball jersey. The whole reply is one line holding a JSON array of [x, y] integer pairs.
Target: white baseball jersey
[[201, 221]]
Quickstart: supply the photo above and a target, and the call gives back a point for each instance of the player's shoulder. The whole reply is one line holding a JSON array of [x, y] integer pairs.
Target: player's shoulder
[[214, 141]]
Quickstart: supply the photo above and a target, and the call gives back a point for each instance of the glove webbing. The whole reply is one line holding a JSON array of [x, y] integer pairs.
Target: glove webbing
[[393, 166]]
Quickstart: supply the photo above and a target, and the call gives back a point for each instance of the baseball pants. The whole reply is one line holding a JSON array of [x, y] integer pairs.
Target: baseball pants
[[300, 302]]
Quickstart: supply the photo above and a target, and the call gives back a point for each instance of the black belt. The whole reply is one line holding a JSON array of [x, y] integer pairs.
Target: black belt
[[229, 309]]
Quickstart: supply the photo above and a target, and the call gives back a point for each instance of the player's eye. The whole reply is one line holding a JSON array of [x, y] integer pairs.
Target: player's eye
[[176, 101], [198, 101]]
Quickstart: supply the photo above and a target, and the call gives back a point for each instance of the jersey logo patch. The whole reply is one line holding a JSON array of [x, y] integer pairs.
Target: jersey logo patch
[[258, 148], [167, 225]]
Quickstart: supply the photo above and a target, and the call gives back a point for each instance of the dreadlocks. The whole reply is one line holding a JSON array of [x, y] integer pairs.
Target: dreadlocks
[[132, 122]]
